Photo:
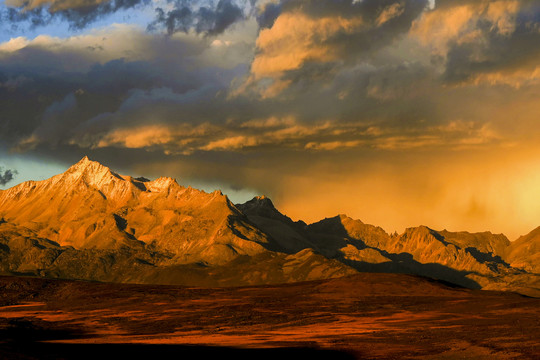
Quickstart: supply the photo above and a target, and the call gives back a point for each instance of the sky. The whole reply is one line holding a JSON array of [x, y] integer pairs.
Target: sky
[[396, 112]]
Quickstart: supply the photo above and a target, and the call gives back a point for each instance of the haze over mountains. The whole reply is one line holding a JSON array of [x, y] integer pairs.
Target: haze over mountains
[[92, 223]]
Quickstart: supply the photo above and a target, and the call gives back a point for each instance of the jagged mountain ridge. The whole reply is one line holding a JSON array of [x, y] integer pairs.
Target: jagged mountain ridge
[[93, 223], [469, 259], [122, 211]]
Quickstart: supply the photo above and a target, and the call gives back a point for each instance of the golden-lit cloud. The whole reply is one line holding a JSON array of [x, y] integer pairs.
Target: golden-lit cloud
[[333, 145], [141, 137], [232, 143], [438, 27], [460, 22], [296, 38], [502, 14], [390, 12], [14, 44]]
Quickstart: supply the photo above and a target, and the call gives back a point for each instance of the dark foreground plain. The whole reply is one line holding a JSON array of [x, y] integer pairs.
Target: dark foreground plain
[[366, 316]]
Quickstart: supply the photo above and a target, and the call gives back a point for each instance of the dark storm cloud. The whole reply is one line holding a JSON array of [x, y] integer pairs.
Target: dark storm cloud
[[51, 104], [187, 15], [48, 88], [350, 93], [79, 14], [269, 14], [497, 51], [6, 175], [201, 16], [116, 94]]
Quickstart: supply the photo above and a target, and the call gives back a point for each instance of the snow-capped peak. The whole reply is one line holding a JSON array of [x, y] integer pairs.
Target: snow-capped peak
[[161, 184], [91, 173], [85, 165]]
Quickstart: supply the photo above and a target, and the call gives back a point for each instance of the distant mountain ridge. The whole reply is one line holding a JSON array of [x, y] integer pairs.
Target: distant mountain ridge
[[92, 223]]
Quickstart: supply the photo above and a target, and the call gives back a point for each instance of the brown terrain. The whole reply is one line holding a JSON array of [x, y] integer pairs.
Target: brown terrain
[[364, 316]]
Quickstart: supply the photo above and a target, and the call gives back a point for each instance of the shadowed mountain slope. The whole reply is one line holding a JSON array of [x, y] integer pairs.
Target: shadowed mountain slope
[[474, 260]]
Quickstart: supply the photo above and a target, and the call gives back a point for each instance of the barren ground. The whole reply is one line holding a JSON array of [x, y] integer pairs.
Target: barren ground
[[366, 316]]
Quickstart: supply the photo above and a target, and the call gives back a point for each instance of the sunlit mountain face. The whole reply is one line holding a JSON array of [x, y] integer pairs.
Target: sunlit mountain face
[[91, 223], [396, 112]]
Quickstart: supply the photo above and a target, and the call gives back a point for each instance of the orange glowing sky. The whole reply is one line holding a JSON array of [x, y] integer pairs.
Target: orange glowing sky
[[395, 112]]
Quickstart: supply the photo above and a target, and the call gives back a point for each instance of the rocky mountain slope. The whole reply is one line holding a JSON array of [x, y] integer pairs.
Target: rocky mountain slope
[[92, 223], [89, 206], [524, 253]]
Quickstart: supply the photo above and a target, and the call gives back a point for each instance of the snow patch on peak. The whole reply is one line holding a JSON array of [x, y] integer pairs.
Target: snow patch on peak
[[85, 165], [84, 162], [92, 173], [161, 184]]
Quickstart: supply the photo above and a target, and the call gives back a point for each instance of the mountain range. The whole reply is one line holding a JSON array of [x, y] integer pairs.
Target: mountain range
[[91, 223]]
